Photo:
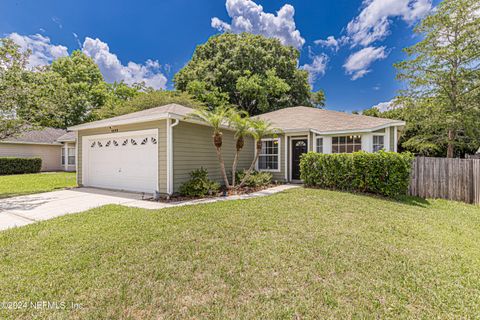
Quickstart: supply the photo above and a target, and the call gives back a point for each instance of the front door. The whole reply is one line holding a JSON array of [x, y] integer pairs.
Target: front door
[[299, 147]]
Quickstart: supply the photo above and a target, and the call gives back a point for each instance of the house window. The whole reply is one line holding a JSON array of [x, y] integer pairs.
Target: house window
[[63, 156], [269, 157], [346, 144], [378, 143], [71, 156], [319, 145]]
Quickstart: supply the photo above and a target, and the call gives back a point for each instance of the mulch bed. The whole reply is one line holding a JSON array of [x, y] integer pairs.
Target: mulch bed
[[223, 193]]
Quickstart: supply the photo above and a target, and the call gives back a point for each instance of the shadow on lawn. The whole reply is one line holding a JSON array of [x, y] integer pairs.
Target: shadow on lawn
[[408, 200]]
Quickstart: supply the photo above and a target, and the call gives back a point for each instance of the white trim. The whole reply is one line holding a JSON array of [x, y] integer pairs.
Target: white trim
[[373, 141], [286, 157], [279, 158], [395, 139], [400, 123], [315, 140], [77, 143], [160, 116], [85, 149], [386, 140], [170, 155]]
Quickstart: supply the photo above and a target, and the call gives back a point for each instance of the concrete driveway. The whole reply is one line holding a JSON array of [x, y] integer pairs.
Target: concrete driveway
[[19, 211]]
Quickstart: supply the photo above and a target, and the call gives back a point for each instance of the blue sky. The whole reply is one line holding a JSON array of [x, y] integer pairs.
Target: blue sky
[[151, 40]]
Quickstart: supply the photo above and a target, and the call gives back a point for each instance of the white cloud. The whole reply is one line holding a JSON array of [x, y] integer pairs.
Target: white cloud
[[43, 51], [331, 42], [317, 67], [373, 22], [113, 70], [388, 105], [247, 16], [358, 63]]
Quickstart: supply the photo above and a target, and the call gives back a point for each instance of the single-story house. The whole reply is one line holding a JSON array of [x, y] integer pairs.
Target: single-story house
[[56, 148], [154, 150]]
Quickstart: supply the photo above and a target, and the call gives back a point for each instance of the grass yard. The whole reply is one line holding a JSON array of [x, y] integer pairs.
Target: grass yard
[[21, 184], [300, 254]]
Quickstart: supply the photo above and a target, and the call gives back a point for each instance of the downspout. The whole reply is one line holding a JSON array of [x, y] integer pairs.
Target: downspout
[[170, 154]]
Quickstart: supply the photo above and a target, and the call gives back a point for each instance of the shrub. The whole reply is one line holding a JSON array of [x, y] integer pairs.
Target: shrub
[[199, 185], [384, 173], [256, 179], [20, 165]]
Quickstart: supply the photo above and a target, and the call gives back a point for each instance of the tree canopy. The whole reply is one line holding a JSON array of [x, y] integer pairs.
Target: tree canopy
[[443, 81], [255, 73]]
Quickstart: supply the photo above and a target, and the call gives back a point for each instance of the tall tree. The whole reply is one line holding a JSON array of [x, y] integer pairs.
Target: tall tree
[[256, 73], [443, 73], [14, 89], [87, 90], [145, 99], [216, 119]]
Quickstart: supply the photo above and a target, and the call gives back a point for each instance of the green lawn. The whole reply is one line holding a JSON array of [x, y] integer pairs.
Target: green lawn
[[20, 184], [300, 254]]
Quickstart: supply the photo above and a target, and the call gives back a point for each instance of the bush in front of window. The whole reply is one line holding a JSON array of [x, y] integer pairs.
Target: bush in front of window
[[199, 184], [20, 165], [384, 173], [256, 178]]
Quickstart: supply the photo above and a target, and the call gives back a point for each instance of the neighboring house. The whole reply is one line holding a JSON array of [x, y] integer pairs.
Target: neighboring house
[[56, 148], [156, 149]]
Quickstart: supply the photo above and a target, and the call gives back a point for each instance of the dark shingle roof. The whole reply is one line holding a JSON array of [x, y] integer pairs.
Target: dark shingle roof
[[46, 135]]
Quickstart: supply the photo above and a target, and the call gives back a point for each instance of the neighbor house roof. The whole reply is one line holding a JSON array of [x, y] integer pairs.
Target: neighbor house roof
[[42, 136], [68, 137], [324, 121], [168, 111]]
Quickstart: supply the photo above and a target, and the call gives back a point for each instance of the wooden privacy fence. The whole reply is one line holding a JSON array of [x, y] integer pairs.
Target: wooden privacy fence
[[446, 178]]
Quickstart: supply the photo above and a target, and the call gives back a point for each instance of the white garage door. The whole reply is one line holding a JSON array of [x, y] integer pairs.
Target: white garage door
[[122, 161]]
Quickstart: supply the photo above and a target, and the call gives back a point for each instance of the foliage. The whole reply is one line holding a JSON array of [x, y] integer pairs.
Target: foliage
[[216, 119], [384, 173], [21, 184], [255, 179], [13, 86], [20, 165], [141, 99], [317, 98], [443, 76], [259, 129], [256, 73], [424, 133], [199, 185]]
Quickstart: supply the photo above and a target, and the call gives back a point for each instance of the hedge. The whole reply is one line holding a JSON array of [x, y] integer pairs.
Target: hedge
[[384, 173], [20, 165]]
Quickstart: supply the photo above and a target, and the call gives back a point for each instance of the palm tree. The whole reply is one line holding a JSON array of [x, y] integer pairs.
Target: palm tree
[[259, 130], [215, 118], [241, 123]]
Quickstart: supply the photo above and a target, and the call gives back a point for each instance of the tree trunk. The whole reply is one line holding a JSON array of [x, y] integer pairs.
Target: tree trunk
[[239, 147], [252, 166], [234, 168], [222, 168], [450, 147]]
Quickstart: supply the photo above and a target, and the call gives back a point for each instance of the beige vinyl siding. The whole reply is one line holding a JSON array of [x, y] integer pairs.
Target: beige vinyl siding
[[161, 125], [50, 154], [193, 148]]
